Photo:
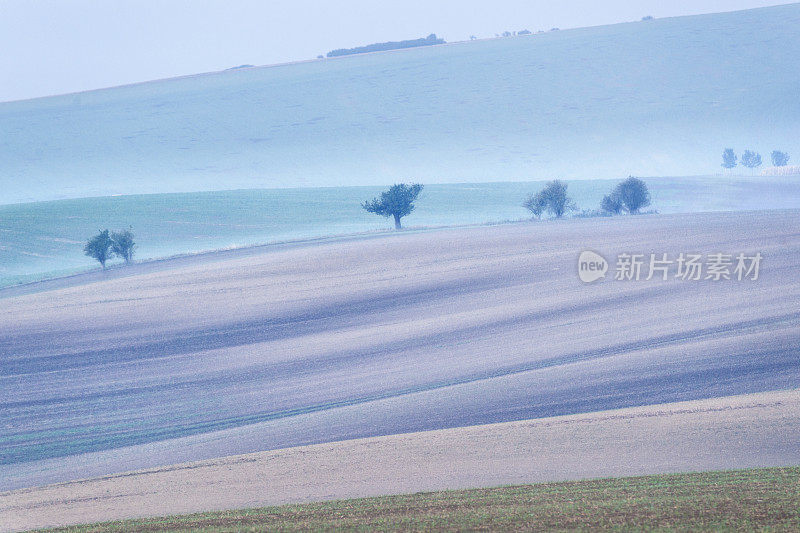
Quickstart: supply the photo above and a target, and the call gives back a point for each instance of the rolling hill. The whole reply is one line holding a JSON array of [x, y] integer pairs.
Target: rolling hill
[[658, 98], [312, 343]]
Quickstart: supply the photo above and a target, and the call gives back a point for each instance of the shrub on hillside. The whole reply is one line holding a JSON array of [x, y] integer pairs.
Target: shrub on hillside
[[553, 199], [631, 195], [592, 213], [536, 204], [612, 203]]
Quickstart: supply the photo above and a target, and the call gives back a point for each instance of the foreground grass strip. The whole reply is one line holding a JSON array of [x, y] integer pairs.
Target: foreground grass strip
[[735, 500]]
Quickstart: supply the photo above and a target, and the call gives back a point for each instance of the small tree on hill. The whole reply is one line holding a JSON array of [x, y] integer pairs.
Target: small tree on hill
[[552, 198], [780, 159], [122, 244], [99, 247], [558, 203], [728, 158], [633, 194], [397, 202], [536, 204], [751, 159]]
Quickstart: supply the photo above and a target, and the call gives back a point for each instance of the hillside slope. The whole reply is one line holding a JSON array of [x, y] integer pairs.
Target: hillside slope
[[662, 97], [399, 333]]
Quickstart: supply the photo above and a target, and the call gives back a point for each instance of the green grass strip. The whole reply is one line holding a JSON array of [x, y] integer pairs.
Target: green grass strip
[[746, 500]]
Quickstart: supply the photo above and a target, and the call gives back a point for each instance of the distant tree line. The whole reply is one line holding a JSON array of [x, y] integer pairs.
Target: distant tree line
[[752, 159], [629, 196], [528, 32], [392, 45], [516, 33], [399, 201]]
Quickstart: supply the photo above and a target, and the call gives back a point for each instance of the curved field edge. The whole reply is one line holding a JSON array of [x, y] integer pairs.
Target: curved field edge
[[44, 241], [753, 499]]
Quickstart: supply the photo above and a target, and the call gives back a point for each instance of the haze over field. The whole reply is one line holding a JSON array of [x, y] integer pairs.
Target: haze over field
[[56, 50], [473, 348], [660, 97]]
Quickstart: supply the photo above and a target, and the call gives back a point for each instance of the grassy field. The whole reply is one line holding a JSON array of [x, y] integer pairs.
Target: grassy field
[[763, 499]]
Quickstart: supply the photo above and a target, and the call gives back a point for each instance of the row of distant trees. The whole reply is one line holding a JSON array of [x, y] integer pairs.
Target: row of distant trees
[[391, 45], [752, 159], [513, 33], [398, 201], [630, 196], [528, 32]]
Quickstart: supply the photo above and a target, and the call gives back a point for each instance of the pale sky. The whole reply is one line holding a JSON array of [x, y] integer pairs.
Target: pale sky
[[59, 46]]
